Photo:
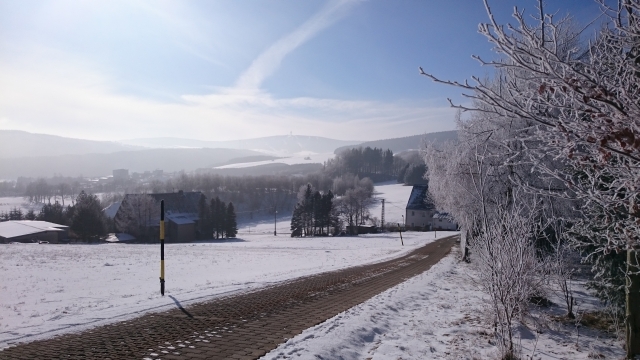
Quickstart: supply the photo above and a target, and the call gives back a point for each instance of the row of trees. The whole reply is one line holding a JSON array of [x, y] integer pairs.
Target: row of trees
[[314, 214], [321, 213], [548, 163], [365, 162], [217, 218], [41, 191], [17, 214]]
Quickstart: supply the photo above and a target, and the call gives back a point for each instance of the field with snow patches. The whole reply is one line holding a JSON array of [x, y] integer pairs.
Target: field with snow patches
[[439, 314], [304, 157], [51, 289]]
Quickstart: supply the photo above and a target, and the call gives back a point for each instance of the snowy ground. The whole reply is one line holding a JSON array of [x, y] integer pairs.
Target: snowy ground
[[304, 157], [439, 314], [396, 197], [46, 289]]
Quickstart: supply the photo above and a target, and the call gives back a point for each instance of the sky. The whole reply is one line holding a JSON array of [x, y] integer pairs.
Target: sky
[[236, 69]]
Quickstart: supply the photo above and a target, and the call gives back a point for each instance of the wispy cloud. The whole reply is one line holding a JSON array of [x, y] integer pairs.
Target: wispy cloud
[[269, 61], [57, 92]]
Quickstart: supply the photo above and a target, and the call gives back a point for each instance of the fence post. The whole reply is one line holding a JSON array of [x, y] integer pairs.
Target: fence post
[[162, 247]]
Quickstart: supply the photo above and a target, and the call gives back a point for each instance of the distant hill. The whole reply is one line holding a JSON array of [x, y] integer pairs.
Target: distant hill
[[93, 165], [14, 143], [407, 143], [273, 145]]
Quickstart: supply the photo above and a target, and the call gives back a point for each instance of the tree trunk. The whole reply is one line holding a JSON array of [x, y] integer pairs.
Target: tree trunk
[[633, 305]]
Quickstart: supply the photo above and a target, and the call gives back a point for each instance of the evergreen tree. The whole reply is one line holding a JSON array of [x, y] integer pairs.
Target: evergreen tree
[[230, 222], [222, 211], [30, 215], [53, 213], [205, 228], [213, 214], [297, 225], [87, 221], [16, 214]]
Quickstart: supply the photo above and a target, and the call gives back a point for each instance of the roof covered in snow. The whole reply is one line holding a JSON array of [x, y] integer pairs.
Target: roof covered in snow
[[181, 219], [111, 210], [16, 228], [418, 199]]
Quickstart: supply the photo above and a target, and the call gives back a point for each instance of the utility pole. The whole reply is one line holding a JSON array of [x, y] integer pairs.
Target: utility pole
[[382, 217], [162, 247]]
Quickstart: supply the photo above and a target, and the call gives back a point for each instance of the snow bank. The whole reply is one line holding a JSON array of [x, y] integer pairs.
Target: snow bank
[[438, 314]]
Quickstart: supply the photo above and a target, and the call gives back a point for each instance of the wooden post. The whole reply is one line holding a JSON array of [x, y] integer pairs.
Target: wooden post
[[400, 231], [162, 247], [633, 304]]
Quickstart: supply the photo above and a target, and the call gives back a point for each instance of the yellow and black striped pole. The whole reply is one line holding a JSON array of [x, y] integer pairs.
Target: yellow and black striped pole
[[162, 247]]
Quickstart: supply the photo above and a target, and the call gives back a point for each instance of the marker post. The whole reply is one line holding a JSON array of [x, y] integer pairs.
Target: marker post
[[400, 231], [162, 247]]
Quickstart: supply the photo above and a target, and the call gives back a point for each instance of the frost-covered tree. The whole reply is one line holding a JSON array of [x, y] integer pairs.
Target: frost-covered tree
[[509, 270], [584, 112], [137, 214], [578, 116]]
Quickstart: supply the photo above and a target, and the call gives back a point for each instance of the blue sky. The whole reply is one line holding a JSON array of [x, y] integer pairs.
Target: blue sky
[[223, 70]]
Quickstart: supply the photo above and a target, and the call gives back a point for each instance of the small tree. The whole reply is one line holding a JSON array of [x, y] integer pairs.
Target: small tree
[[30, 215], [509, 270]]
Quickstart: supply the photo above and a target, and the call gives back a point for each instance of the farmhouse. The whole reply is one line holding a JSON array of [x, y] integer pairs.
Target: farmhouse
[[32, 231], [181, 214], [421, 213]]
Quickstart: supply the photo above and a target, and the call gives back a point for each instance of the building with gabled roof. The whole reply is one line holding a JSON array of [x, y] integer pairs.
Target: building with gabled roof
[[181, 214], [32, 231], [421, 212]]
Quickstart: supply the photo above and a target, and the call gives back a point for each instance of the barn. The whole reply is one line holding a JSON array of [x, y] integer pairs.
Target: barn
[[32, 231]]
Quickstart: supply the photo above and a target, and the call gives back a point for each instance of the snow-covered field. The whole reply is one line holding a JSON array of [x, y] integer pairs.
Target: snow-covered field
[[304, 157], [396, 197], [438, 314], [50, 289], [8, 203], [46, 289]]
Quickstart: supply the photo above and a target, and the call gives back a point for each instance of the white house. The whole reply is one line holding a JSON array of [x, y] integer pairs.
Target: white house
[[422, 214]]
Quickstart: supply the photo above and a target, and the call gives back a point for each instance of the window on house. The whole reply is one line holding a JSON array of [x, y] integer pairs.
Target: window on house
[[413, 213]]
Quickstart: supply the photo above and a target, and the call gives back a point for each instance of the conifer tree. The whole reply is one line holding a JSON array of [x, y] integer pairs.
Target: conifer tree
[[297, 224], [87, 221], [204, 224], [231, 226], [213, 214], [222, 211]]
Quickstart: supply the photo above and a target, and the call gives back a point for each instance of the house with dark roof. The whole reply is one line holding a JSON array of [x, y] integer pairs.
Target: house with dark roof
[[181, 214], [421, 213]]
